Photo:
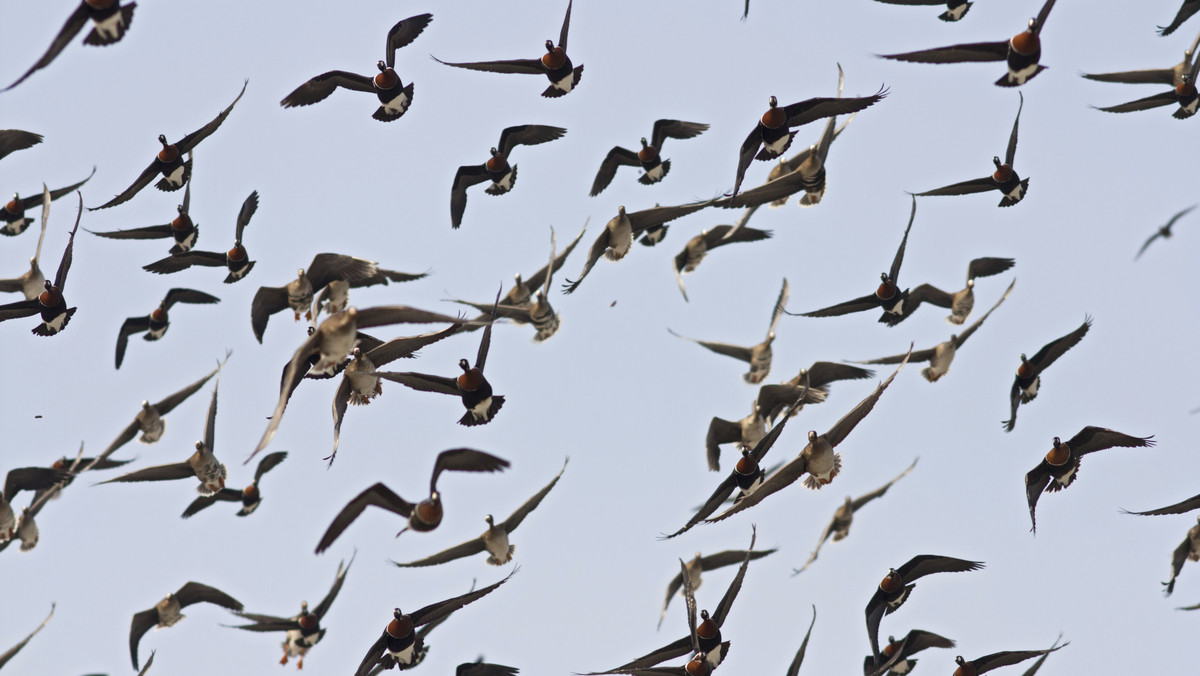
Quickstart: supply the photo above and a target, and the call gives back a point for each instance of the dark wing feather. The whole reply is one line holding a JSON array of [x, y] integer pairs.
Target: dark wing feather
[[648, 218], [170, 402], [927, 293], [323, 606], [485, 341], [189, 142], [816, 108], [8, 654], [376, 653], [12, 140], [975, 51], [616, 157], [436, 611], [1011, 152], [403, 33], [1055, 349], [185, 260], [782, 478], [1014, 398], [927, 564], [1177, 508], [1164, 76], [594, 254], [327, 267], [735, 351], [894, 271], [377, 495], [465, 460], [523, 66], [735, 586], [863, 499], [320, 87], [148, 232], [673, 588], [70, 29], [406, 346], [510, 524], [986, 267], [746, 155], [268, 300], [131, 326], [1091, 439], [1033, 669], [916, 357], [21, 308], [422, 382], [140, 182], [543, 275], [825, 372], [175, 470], [527, 135], [268, 463], [665, 129], [720, 432], [180, 295], [1158, 100], [566, 26], [249, 206], [465, 177], [142, 622], [962, 188], [718, 497], [848, 422], [205, 501], [468, 548], [64, 266], [194, 592], [794, 668], [266, 623], [868, 302], [1007, 657]]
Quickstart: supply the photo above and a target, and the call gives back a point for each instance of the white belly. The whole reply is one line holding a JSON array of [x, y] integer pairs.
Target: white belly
[[56, 324], [175, 178], [404, 656], [777, 147], [567, 82], [504, 184], [398, 104], [110, 28], [480, 411], [656, 173]]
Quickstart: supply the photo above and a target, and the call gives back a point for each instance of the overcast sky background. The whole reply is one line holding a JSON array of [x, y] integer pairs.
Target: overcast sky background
[[625, 400]]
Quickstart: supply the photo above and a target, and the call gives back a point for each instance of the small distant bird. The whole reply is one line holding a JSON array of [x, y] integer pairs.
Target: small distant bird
[[1004, 658], [497, 169], [697, 248], [12, 213], [402, 645], [1164, 231], [940, 356], [896, 653], [654, 168], [1025, 385], [393, 96], [843, 516], [32, 282], [494, 540], [423, 516], [303, 631], [773, 133], [166, 612], [12, 140], [554, 64], [1003, 179], [169, 161], [11, 652], [1060, 467], [1187, 550], [757, 356], [110, 20], [298, 294], [818, 459], [896, 586], [149, 420], [236, 260], [250, 497], [156, 323], [181, 228], [618, 235], [526, 303], [202, 464], [887, 296], [693, 569], [1186, 10], [50, 303], [955, 9], [1022, 52], [328, 345], [1184, 94]]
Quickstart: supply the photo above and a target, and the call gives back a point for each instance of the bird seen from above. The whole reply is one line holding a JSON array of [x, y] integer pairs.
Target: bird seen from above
[[757, 356], [181, 228], [202, 464], [654, 167], [169, 161], [423, 516], [940, 356], [1004, 179], [50, 303], [843, 517], [110, 19], [402, 645], [250, 497], [12, 212], [896, 586], [236, 260], [817, 459], [494, 540], [1028, 380], [303, 631], [554, 64], [887, 296], [497, 169], [618, 235], [1163, 231], [471, 385], [772, 135], [156, 323], [394, 97], [167, 612], [1060, 467], [1022, 52], [298, 294]]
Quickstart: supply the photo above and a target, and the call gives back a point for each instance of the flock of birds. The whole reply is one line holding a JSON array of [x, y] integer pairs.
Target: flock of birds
[[345, 305]]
